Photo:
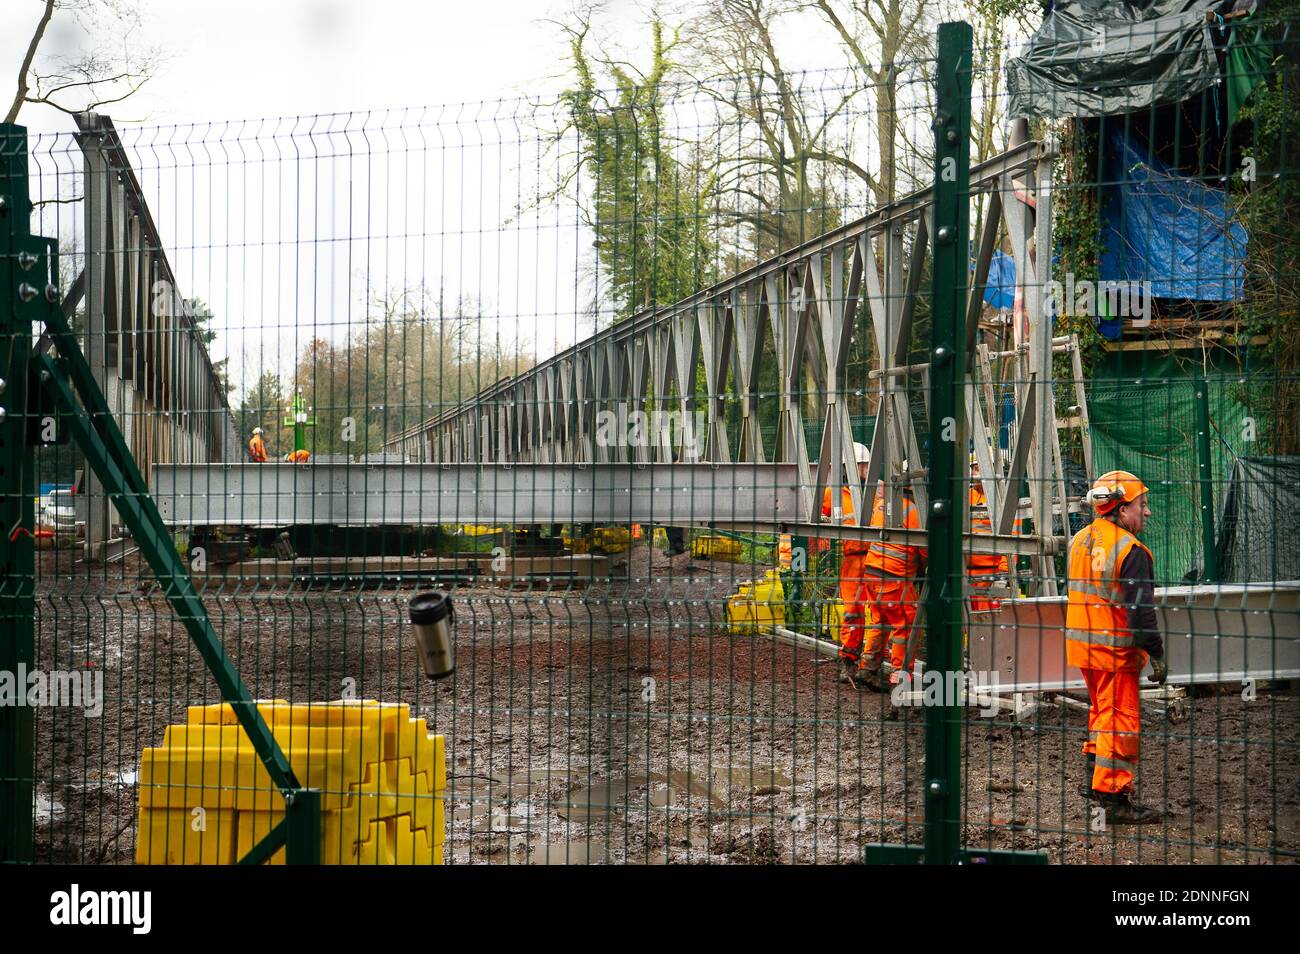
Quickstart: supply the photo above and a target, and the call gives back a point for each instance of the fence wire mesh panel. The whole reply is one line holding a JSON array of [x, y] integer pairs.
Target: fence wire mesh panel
[[705, 465]]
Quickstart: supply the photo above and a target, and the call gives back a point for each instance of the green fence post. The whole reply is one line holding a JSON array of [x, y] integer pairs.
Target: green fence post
[[302, 820], [1210, 558], [19, 284], [947, 475]]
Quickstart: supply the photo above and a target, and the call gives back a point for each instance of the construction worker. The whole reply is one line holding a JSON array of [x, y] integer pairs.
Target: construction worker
[[298, 456], [1110, 630], [889, 575], [982, 569], [852, 625], [257, 447]]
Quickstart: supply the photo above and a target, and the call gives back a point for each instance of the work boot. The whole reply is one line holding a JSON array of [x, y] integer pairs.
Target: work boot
[[1086, 789], [1122, 810], [848, 667], [867, 679]]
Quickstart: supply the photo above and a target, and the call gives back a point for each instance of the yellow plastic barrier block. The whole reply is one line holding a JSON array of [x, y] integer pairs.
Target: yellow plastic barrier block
[[832, 618], [394, 842], [759, 604], [716, 548], [380, 773], [199, 836], [349, 839], [341, 832], [382, 796], [183, 778], [403, 737]]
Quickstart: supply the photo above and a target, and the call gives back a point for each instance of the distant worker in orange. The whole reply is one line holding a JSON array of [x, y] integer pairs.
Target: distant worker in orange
[[852, 626], [889, 575], [983, 569], [1110, 631], [300, 456], [257, 447]]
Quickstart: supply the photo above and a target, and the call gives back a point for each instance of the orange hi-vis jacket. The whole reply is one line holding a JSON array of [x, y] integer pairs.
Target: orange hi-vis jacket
[[894, 559], [257, 449], [852, 548], [984, 564], [1097, 634]]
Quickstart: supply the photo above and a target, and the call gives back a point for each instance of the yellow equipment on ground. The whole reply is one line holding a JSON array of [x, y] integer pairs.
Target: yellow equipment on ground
[[759, 604], [477, 530], [611, 539], [577, 544], [832, 618], [716, 548], [205, 797]]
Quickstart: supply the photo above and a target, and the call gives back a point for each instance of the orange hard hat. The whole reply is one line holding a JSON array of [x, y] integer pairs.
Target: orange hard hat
[[1114, 488]]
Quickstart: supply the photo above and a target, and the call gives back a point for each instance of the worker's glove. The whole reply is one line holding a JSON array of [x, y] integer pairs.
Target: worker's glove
[[1159, 671]]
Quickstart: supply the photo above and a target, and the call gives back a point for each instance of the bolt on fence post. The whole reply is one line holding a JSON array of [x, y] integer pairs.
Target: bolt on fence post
[[1210, 555], [947, 475], [17, 490]]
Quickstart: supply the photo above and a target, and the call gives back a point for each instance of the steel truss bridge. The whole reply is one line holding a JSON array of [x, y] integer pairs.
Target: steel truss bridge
[[526, 450]]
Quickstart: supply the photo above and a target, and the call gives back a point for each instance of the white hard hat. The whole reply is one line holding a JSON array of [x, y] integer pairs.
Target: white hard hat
[[257, 430], [861, 454]]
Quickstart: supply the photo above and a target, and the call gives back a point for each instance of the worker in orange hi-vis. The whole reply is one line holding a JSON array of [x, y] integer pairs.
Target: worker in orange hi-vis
[[257, 447], [1110, 632], [890, 572], [983, 569], [852, 625]]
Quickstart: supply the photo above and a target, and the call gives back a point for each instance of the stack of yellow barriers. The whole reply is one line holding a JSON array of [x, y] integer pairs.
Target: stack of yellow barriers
[[205, 797]]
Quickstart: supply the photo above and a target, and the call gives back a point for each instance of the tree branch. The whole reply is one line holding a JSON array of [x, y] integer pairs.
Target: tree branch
[[20, 96]]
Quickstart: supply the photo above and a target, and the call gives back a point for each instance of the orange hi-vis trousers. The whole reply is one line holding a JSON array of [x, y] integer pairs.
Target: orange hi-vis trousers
[[853, 622], [1114, 720], [978, 593], [890, 606]]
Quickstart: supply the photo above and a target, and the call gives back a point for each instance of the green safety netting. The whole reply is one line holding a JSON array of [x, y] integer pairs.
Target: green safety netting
[[1143, 417]]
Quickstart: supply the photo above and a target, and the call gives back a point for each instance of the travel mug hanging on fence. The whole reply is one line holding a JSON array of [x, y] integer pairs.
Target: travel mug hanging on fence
[[434, 619]]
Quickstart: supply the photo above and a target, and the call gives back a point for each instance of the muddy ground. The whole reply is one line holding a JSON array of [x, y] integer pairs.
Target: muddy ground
[[622, 723]]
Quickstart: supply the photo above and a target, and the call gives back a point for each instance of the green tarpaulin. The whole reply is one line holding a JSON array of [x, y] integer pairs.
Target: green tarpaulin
[[1245, 64], [1144, 421]]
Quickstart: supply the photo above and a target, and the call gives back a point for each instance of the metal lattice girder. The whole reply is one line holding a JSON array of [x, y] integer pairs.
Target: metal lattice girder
[[808, 300], [783, 296], [142, 344], [277, 495]]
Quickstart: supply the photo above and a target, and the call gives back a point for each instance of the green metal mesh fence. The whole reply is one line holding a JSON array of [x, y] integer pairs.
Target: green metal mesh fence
[[598, 368]]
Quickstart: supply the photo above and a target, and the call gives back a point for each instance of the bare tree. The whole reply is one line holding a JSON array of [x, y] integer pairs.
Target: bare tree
[[780, 155], [96, 73], [879, 35]]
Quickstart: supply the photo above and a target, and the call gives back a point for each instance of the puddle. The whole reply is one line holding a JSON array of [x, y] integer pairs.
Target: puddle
[[603, 799], [758, 779], [568, 853]]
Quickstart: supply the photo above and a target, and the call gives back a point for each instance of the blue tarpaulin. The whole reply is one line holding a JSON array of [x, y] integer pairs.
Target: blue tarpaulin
[[1168, 230], [1000, 291]]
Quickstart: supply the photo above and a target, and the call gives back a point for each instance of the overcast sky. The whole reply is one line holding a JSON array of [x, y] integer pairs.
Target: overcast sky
[[283, 243]]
